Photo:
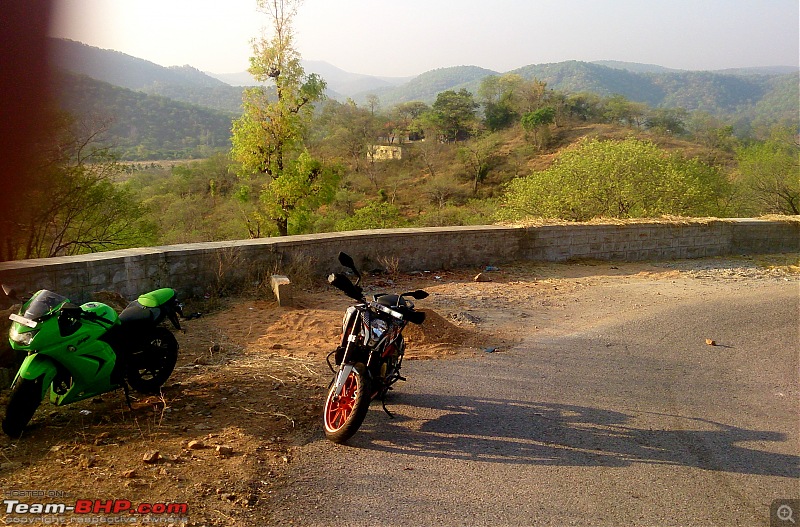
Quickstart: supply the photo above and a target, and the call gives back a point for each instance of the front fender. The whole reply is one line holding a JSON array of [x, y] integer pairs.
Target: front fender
[[35, 366]]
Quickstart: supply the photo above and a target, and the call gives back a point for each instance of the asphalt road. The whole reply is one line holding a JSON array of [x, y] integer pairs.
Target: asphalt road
[[614, 412]]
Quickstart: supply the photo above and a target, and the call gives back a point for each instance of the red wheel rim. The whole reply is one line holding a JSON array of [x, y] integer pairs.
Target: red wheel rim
[[339, 409]]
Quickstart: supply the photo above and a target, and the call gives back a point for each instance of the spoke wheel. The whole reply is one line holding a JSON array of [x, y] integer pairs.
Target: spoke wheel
[[344, 414]]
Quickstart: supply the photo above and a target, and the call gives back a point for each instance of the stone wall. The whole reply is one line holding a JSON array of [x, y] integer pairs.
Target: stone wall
[[207, 268]]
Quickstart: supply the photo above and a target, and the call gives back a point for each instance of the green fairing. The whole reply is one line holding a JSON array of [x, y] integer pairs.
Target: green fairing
[[70, 354], [88, 361], [35, 366], [157, 298], [102, 310]]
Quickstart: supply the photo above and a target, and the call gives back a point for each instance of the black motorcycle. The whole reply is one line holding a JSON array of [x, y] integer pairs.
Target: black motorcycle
[[368, 359]]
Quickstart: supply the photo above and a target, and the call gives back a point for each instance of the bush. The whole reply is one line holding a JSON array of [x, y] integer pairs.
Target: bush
[[619, 179]]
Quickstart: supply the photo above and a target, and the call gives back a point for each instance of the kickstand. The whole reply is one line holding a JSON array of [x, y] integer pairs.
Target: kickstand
[[383, 403], [127, 390]]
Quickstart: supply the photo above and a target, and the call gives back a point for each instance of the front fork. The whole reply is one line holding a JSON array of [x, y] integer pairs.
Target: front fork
[[346, 366]]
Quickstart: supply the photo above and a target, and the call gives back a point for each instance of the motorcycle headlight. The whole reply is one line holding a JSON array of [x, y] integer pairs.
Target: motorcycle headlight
[[24, 338], [377, 328]]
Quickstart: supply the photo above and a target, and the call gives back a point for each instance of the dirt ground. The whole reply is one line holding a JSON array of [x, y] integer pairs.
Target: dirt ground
[[249, 385]]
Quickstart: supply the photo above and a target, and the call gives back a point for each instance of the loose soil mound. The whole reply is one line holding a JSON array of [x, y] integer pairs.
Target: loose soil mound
[[437, 337]]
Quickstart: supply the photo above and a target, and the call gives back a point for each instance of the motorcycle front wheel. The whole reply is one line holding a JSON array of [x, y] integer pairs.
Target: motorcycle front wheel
[[24, 400], [151, 363], [343, 415]]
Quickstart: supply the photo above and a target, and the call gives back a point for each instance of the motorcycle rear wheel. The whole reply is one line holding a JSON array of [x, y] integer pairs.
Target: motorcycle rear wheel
[[150, 365], [343, 415], [25, 399]]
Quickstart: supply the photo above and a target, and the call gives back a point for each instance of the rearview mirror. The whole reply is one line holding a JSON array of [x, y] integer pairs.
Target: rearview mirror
[[346, 260], [9, 292]]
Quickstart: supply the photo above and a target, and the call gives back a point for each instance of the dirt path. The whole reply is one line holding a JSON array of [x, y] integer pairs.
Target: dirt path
[[243, 405]]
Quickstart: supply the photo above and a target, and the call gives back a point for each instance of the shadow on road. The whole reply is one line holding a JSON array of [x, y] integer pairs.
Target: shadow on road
[[503, 431]]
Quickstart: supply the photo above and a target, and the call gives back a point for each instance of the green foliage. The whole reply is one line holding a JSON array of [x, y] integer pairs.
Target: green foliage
[[667, 121], [193, 202], [375, 215], [478, 157], [268, 137], [535, 123], [472, 212], [302, 186], [145, 127], [453, 115], [70, 203], [620, 179], [769, 174], [345, 131]]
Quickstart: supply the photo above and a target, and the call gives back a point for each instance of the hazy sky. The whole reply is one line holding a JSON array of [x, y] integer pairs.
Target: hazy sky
[[408, 37]]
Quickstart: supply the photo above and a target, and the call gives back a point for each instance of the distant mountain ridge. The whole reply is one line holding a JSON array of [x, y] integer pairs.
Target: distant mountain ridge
[[765, 95]]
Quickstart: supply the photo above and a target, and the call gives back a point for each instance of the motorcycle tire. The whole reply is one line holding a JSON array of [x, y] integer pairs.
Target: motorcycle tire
[[343, 415], [25, 399], [150, 365]]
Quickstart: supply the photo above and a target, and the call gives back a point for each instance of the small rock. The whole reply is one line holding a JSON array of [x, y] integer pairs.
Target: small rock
[[277, 346], [86, 461], [151, 457], [711, 342], [224, 450], [129, 474], [480, 277], [195, 445]]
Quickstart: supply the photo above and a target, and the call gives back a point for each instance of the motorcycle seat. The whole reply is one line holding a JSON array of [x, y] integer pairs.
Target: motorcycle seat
[[136, 312]]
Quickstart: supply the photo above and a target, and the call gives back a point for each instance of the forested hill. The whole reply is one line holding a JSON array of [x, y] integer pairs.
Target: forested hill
[[141, 126], [160, 126], [734, 95], [181, 83], [427, 86]]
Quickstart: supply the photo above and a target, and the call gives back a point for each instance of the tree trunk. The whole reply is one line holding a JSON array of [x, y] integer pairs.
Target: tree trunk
[[283, 226]]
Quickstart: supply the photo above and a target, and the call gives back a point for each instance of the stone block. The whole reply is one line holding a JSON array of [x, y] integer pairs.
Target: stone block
[[282, 288]]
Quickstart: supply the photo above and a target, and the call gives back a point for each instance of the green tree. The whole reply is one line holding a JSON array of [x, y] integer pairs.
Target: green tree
[[618, 109], [478, 155], [348, 131], [268, 137], [374, 215], [453, 115], [670, 121], [304, 185], [534, 122], [585, 106], [71, 203], [620, 179], [768, 175], [499, 97], [406, 117]]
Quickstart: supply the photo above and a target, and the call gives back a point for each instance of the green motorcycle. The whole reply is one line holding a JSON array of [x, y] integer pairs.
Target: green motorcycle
[[76, 352]]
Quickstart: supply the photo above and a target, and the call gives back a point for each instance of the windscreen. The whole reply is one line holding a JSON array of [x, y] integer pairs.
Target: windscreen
[[42, 303]]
